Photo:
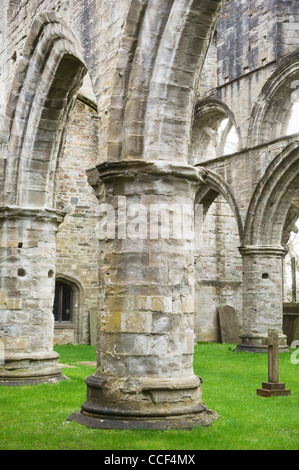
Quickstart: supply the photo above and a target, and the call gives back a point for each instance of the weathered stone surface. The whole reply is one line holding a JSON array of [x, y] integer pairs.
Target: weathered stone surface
[[229, 324], [141, 336], [26, 323], [77, 244], [183, 104], [262, 296]]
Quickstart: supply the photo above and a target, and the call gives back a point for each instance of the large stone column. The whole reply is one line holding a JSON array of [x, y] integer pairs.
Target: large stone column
[[262, 296], [27, 280], [144, 376]]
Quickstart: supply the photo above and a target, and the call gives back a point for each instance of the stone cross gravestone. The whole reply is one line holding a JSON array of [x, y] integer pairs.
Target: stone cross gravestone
[[273, 387]]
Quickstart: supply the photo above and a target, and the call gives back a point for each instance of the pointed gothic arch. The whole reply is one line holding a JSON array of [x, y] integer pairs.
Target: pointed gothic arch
[[272, 111], [208, 116], [171, 100], [159, 61], [271, 204], [48, 77], [214, 185]]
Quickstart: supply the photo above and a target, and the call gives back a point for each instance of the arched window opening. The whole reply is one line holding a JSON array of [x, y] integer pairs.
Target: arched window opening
[[293, 124], [214, 135], [63, 303], [86, 93], [231, 144], [275, 114]]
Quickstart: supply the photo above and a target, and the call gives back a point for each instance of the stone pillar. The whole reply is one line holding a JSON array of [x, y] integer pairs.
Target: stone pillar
[[144, 376], [27, 280], [262, 296]]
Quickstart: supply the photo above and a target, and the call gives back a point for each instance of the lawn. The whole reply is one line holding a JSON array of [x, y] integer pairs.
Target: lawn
[[35, 417]]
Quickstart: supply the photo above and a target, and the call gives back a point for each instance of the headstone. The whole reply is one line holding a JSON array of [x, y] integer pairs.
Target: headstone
[[229, 324], [273, 387]]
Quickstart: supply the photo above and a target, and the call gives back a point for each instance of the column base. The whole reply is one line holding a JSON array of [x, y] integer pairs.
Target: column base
[[255, 348], [203, 417], [273, 390], [256, 344], [19, 382], [143, 403], [19, 369]]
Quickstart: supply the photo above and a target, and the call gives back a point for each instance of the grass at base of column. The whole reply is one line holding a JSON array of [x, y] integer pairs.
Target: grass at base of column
[[35, 417]]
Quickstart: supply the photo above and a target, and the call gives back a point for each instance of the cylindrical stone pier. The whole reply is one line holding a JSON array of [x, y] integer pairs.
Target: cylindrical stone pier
[[145, 376], [262, 296], [27, 281]]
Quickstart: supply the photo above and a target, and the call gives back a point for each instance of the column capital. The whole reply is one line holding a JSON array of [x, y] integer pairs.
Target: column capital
[[133, 168], [263, 250], [38, 214]]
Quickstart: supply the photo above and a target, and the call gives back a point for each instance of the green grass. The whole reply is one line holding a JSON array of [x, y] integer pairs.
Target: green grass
[[35, 417]]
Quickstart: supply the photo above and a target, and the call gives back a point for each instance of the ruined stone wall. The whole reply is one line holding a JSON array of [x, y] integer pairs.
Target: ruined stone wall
[[208, 78], [218, 271], [250, 39], [254, 40], [253, 37], [251, 162], [98, 27], [17, 19], [77, 244], [288, 27], [144, 60], [247, 38], [218, 275]]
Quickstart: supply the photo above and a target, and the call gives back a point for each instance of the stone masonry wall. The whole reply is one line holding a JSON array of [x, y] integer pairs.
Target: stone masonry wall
[[252, 163], [208, 78], [77, 245], [98, 27], [252, 39], [218, 271]]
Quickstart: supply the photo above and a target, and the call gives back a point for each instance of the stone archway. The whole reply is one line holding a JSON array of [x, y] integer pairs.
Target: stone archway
[[214, 185], [145, 374], [46, 82], [209, 137], [218, 264], [271, 113], [263, 252], [159, 63]]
